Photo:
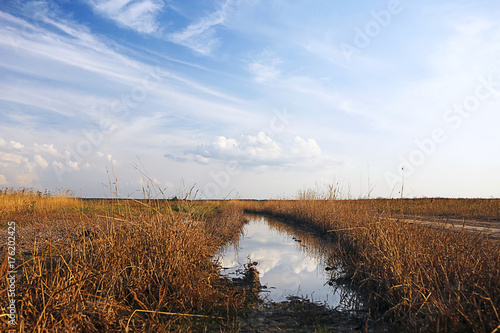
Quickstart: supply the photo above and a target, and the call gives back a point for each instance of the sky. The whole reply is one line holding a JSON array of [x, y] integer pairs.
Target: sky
[[251, 99]]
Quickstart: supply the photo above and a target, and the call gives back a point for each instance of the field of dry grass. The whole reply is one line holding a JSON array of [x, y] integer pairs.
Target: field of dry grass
[[427, 278], [109, 266], [128, 265]]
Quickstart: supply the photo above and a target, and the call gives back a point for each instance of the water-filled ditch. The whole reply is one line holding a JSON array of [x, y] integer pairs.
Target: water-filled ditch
[[291, 262]]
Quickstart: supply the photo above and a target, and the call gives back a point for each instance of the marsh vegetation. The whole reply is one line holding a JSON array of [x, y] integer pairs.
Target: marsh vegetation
[[150, 265], [104, 266], [422, 277]]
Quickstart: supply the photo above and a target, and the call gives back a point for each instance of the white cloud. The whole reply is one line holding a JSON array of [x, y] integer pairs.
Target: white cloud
[[265, 69], [325, 50], [58, 165], [73, 165], [56, 67], [76, 47], [254, 151], [304, 147], [257, 148], [200, 36], [89, 59], [51, 99], [261, 147], [453, 55], [16, 145], [222, 147], [3, 180], [26, 179], [9, 157], [41, 161], [47, 149], [138, 15]]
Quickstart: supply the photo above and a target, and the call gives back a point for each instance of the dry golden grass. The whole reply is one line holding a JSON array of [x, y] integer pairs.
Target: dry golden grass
[[482, 209], [426, 278], [147, 265], [29, 201], [119, 266]]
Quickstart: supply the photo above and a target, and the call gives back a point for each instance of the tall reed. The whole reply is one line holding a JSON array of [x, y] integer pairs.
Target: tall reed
[[428, 278], [140, 266]]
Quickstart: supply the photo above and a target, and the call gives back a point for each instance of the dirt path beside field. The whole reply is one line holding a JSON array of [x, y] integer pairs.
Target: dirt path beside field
[[489, 228]]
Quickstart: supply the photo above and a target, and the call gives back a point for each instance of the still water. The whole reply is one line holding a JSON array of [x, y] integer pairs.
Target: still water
[[290, 262]]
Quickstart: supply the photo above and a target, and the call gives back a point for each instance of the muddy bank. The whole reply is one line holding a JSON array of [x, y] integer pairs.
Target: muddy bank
[[301, 315], [296, 314]]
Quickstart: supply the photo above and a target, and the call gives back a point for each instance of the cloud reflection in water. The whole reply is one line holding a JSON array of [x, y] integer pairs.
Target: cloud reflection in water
[[286, 266]]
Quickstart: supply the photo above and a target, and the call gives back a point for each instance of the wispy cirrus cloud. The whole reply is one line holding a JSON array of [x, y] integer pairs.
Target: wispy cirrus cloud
[[76, 47], [219, 69], [265, 67], [78, 56], [137, 15], [200, 36]]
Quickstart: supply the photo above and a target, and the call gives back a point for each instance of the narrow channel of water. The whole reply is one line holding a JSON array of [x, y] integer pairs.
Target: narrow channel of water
[[290, 262]]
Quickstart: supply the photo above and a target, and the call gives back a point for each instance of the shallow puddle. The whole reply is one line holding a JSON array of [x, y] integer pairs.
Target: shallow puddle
[[290, 262]]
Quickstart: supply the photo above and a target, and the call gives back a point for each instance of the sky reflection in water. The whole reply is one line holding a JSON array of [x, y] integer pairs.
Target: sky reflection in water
[[286, 266]]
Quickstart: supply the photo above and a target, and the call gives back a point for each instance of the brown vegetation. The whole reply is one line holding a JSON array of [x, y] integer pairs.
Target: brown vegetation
[[427, 278], [97, 266], [128, 265]]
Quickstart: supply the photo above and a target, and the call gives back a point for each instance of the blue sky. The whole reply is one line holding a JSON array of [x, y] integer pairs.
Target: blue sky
[[251, 99]]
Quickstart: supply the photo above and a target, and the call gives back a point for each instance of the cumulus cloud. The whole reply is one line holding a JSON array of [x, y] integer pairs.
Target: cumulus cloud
[[41, 161], [253, 150], [73, 165], [14, 158], [17, 165], [3, 180], [47, 149], [248, 148], [57, 165], [17, 145], [304, 147], [26, 179]]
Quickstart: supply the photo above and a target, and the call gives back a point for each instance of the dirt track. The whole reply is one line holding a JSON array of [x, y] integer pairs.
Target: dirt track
[[488, 228]]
